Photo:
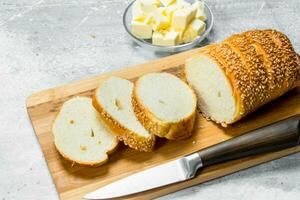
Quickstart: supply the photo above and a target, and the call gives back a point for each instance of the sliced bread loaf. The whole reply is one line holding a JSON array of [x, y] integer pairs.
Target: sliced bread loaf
[[113, 100], [165, 105], [237, 76], [79, 134]]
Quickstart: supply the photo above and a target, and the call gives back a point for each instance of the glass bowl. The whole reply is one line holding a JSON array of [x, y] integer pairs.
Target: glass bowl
[[127, 17]]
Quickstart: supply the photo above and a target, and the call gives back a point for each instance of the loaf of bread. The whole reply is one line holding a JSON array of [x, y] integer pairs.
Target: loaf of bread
[[113, 100], [235, 77], [80, 135], [165, 105]]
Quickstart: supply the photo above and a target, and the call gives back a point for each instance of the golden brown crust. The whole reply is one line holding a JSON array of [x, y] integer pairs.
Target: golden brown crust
[[280, 60], [289, 57], [256, 88], [234, 69], [272, 60], [261, 66], [269, 65], [87, 164], [170, 130], [130, 138]]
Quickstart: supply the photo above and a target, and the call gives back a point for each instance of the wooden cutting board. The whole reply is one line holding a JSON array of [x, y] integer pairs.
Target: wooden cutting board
[[72, 182]]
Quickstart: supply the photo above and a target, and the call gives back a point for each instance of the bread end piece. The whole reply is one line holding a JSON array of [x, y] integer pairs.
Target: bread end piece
[[248, 69]]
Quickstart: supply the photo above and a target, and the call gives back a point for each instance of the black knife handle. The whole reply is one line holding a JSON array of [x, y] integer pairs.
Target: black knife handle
[[276, 136]]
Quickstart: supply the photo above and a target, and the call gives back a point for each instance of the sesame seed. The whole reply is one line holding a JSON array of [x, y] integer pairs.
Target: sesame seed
[[260, 65]]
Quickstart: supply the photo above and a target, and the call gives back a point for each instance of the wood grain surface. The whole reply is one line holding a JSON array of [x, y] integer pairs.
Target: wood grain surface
[[72, 182]]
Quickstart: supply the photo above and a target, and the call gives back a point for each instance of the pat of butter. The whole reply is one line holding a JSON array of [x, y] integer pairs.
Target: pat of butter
[[151, 2], [160, 21], [199, 7], [162, 10], [182, 3], [157, 38], [137, 12], [149, 6], [170, 10], [171, 38], [180, 34], [182, 17], [201, 15], [167, 2], [149, 20], [196, 27], [141, 29]]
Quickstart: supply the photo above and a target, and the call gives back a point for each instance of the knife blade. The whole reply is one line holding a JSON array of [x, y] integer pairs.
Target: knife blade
[[279, 135], [171, 172]]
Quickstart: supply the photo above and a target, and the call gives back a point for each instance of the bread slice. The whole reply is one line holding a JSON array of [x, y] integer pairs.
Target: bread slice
[[113, 100], [165, 105], [237, 76], [79, 134], [216, 98]]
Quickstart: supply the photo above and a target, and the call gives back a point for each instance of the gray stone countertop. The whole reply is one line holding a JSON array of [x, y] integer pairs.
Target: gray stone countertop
[[46, 43]]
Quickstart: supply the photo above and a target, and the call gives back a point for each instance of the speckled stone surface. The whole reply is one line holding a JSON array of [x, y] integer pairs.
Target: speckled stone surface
[[45, 43]]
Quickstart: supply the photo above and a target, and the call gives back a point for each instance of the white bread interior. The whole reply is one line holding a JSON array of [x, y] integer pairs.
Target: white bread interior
[[166, 96], [214, 91], [80, 135], [244, 72], [165, 105], [113, 100]]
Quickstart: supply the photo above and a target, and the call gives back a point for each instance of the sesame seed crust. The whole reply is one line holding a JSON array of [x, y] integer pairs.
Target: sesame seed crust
[[261, 65], [272, 58], [234, 70], [130, 138], [289, 56], [256, 89], [280, 60], [88, 164]]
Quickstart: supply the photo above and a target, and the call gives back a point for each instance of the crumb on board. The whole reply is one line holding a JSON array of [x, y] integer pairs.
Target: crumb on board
[[93, 35]]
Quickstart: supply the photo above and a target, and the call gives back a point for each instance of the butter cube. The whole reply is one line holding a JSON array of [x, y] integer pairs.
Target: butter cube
[[172, 38], [180, 34], [169, 39], [162, 10], [182, 3], [181, 18], [196, 27], [149, 6], [141, 30], [167, 2], [160, 21], [201, 15], [151, 2], [157, 38], [137, 12], [176, 5], [170, 10], [149, 20], [200, 12]]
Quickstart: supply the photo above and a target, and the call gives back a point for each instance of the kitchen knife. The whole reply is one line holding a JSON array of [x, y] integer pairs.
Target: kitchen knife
[[276, 136]]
